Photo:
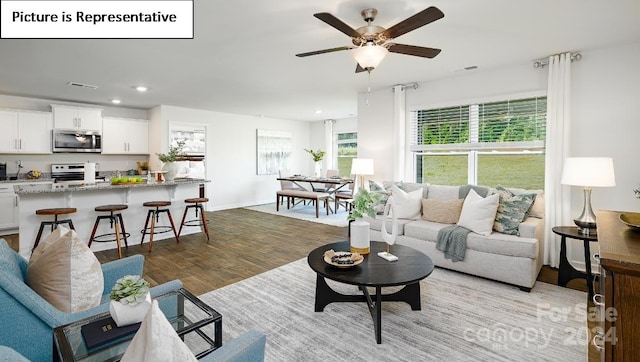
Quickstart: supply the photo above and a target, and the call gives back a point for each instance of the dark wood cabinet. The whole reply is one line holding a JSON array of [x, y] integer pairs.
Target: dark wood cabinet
[[620, 288]]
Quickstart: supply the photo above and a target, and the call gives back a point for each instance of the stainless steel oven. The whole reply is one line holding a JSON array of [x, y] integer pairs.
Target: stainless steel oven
[[76, 141]]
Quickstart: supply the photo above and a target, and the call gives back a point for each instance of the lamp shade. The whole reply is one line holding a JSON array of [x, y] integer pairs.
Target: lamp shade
[[588, 171], [362, 166], [370, 55]]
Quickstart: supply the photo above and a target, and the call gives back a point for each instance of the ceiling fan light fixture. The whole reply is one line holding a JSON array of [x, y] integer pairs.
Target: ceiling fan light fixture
[[369, 55]]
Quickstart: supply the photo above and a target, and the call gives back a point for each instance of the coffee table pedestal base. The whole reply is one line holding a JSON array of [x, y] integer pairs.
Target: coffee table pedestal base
[[410, 294]]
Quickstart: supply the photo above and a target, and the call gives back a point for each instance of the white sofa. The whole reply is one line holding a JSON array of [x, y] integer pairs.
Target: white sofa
[[510, 259]]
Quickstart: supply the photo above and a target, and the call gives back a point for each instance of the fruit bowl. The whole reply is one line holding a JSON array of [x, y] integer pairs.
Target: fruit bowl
[[33, 175]]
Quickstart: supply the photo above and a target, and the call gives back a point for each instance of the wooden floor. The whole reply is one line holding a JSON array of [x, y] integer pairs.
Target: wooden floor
[[243, 243]]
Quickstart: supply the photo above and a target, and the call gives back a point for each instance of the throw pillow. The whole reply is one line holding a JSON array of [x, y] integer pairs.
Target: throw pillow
[[478, 213], [377, 188], [65, 272], [442, 211], [407, 204], [156, 340], [512, 209]]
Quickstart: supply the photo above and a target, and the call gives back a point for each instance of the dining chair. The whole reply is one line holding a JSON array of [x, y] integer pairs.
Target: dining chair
[[327, 187], [288, 185]]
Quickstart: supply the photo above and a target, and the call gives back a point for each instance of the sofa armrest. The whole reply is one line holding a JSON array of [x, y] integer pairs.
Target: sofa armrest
[[114, 270], [9, 354], [530, 228], [247, 347]]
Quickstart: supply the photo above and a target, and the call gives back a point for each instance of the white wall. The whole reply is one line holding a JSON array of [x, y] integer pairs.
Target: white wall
[[231, 153]]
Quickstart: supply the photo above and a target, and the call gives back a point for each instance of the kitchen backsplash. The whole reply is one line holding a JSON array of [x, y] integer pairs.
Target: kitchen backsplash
[[42, 163]]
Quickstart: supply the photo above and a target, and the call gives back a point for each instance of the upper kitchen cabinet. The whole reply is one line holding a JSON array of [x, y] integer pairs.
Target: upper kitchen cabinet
[[70, 117], [25, 131], [125, 136]]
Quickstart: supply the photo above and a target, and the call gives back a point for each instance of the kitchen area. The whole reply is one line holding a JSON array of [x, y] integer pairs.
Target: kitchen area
[[67, 158]]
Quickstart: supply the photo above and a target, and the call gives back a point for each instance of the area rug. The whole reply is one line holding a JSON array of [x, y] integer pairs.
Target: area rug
[[463, 318], [305, 212]]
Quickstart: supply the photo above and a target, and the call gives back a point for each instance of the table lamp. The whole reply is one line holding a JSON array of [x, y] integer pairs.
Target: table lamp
[[588, 172], [361, 167]]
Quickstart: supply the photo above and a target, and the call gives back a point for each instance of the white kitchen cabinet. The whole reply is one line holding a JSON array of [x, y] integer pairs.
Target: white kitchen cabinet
[[9, 215], [69, 117], [125, 136], [25, 131]]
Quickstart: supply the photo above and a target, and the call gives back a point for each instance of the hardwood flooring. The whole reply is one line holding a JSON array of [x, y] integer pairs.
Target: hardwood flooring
[[243, 243]]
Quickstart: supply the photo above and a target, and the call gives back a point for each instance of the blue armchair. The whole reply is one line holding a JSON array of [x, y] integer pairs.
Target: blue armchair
[[28, 320]]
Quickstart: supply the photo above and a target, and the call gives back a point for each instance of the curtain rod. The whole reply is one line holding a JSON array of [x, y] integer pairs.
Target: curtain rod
[[413, 85], [541, 63]]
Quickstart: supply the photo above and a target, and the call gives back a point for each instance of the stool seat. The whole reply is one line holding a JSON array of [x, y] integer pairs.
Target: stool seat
[[56, 211], [107, 208], [196, 200], [156, 203]]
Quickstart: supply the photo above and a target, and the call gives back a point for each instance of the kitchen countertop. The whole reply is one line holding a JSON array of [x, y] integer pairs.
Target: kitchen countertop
[[52, 188], [27, 180]]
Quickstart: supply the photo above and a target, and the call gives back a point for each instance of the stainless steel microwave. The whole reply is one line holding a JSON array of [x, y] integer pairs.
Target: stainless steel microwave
[[76, 141]]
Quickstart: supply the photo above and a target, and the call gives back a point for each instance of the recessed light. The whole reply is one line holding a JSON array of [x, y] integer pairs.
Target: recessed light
[[318, 111], [115, 101], [141, 88]]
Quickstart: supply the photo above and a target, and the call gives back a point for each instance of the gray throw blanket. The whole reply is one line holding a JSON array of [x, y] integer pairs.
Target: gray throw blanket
[[452, 240], [480, 190]]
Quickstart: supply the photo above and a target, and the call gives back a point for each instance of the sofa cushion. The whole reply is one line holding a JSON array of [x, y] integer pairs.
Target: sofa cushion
[[376, 224], [496, 243], [406, 204], [65, 272], [443, 192], [478, 213], [512, 209], [537, 209], [8, 263], [442, 211]]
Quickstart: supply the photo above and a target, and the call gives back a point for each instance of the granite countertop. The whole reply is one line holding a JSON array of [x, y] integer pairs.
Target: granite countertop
[[51, 188], [26, 180]]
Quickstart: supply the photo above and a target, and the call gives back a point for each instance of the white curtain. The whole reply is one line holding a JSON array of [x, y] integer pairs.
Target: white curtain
[[328, 144], [557, 196]]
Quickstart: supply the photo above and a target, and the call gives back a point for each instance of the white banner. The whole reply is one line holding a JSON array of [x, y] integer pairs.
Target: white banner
[[115, 19]]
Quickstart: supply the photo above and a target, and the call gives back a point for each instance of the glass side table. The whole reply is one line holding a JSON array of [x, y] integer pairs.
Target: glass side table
[[197, 324]]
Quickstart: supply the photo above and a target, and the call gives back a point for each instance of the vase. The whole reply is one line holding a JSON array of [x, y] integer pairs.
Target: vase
[[172, 171], [125, 314], [318, 169], [360, 240]]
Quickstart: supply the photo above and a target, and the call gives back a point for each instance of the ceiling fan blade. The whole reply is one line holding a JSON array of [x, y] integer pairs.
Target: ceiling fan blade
[[338, 24], [316, 52], [422, 18], [413, 50], [359, 69]]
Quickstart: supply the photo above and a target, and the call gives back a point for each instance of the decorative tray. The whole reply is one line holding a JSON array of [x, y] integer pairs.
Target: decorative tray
[[342, 259], [631, 219]]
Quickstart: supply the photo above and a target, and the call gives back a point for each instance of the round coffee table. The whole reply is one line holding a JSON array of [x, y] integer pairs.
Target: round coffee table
[[411, 267]]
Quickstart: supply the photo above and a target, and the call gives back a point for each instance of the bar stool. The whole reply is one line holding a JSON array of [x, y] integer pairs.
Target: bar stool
[[198, 201], [114, 219], [54, 224], [154, 215]]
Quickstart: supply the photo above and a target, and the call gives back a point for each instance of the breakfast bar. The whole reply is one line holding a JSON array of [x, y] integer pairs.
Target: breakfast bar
[[86, 197]]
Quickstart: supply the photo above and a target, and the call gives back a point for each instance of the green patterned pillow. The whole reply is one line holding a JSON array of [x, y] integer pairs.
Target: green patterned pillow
[[512, 210], [377, 188]]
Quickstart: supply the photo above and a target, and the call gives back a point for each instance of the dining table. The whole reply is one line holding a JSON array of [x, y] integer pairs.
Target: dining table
[[306, 182]]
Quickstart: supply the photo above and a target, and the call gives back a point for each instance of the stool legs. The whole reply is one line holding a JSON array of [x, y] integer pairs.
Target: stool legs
[[54, 225], [117, 223], [203, 218], [154, 216]]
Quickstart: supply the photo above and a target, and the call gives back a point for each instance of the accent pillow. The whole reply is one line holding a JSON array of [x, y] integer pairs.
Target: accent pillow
[[478, 213], [407, 204], [512, 209], [65, 272], [156, 340], [375, 187], [442, 211]]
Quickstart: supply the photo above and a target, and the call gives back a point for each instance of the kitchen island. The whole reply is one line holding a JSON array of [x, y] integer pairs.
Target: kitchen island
[[86, 197]]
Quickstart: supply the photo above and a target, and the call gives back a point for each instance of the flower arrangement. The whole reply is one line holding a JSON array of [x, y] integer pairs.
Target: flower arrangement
[[130, 290], [363, 204], [317, 155], [174, 153]]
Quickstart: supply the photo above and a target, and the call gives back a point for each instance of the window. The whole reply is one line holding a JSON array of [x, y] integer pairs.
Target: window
[[485, 143], [347, 146]]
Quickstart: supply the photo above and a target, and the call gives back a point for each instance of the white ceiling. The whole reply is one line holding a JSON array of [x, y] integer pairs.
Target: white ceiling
[[242, 59]]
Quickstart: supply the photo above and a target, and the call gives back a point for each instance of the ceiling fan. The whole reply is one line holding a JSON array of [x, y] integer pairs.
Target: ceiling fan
[[371, 43]]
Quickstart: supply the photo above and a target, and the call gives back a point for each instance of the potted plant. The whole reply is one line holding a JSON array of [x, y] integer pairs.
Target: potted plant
[[317, 158], [175, 152], [130, 300], [363, 204]]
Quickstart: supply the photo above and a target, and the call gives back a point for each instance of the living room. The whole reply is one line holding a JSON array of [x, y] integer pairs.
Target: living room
[[604, 94]]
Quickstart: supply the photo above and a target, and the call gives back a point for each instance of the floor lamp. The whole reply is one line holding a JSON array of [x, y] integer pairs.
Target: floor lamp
[[588, 172]]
